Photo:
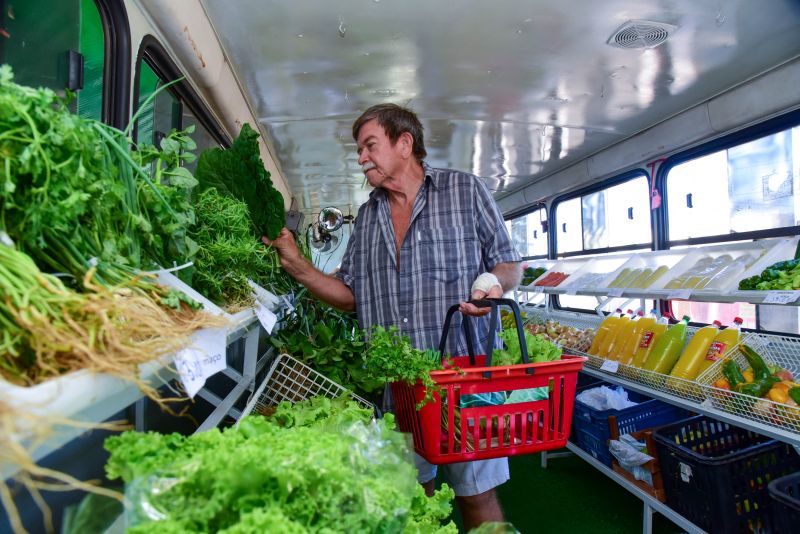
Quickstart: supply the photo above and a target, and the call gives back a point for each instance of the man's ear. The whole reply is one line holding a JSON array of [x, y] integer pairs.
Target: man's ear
[[407, 145]]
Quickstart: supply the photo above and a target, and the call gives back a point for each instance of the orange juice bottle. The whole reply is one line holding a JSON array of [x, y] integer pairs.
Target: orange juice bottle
[[650, 335], [643, 324], [694, 354], [625, 336], [609, 342], [668, 348], [608, 324], [721, 346]]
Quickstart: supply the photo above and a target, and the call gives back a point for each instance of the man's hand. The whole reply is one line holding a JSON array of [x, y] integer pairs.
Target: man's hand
[[286, 247], [480, 291]]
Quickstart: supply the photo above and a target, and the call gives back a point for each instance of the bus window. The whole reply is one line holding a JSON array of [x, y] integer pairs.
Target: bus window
[[160, 115], [42, 42], [569, 230], [613, 218], [748, 187], [743, 188], [529, 234]]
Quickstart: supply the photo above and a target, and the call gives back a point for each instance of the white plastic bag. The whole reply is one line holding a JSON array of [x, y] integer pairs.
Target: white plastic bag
[[629, 453], [605, 398]]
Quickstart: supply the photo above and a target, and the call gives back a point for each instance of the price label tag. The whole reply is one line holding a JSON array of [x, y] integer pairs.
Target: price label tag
[[679, 294], [610, 366], [190, 372], [538, 289], [780, 297], [204, 357], [266, 317], [615, 291]]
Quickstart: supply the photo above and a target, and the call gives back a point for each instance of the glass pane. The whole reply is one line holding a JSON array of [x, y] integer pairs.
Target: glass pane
[[200, 136], [92, 46], [744, 188], [537, 235], [38, 35], [617, 216], [569, 234], [161, 114], [528, 234]]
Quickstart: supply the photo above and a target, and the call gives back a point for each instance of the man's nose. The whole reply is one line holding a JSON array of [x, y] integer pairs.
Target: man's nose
[[362, 158]]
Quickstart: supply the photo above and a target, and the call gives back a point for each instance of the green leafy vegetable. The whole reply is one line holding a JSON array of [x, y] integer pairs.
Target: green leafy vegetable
[[321, 466], [239, 173], [539, 349]]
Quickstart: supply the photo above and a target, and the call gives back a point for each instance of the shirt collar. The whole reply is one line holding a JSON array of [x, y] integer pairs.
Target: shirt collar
[[431, 175]]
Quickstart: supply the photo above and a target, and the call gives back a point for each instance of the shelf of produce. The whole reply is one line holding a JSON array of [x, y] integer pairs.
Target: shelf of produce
[[704, 407], [650, 503], [789, 298], [85, 397]]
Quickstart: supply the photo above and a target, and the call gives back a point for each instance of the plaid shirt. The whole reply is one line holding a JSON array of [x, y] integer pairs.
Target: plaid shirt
[[456, 233]]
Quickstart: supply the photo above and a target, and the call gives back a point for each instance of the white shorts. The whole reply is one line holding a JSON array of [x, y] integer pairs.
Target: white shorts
[[466, 478]]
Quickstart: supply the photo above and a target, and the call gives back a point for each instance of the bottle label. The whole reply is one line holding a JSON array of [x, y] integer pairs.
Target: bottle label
[[715, 351], [647, 338]]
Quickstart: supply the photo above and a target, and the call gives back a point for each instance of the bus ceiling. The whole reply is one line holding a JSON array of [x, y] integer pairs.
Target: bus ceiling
[[514, 92]]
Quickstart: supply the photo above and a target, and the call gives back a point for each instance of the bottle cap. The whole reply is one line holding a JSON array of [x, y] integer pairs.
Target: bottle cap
[[716, 322], [738, 320], [685, 318]]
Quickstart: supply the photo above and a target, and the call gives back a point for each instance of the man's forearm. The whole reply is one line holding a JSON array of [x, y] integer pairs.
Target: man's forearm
[[327, 288], [508, 274]]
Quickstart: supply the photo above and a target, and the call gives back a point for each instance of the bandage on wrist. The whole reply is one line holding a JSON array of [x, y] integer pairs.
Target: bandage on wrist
[[485, 282]]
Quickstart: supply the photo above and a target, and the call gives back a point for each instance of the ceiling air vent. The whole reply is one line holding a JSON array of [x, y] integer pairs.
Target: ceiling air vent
[[641, 34]]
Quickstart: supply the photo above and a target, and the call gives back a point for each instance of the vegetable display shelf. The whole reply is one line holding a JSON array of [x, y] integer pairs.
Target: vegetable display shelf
[[680, 263], [764, 416], [87, 397]]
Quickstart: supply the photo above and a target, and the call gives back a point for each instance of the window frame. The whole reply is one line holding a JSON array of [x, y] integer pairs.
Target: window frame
[[524, 213], [752, 133], [117, 62], [595, 188], [158, 59]]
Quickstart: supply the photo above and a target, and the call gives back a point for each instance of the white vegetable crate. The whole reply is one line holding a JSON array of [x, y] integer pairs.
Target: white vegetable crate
[[290, 380]]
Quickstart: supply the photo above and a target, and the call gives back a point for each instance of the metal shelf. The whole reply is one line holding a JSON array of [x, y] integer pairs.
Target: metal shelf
[[787, 436], [752, 297], [88, 397], [651, 504]]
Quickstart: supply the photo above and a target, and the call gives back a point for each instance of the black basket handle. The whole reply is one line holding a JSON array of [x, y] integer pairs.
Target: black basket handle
[[486, 303]]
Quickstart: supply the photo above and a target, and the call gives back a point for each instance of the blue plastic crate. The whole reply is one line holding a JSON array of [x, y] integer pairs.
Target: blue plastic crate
[[590, 429]]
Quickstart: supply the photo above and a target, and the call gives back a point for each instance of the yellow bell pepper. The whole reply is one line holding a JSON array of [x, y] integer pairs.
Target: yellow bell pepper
[[748, 375], [778, 394]]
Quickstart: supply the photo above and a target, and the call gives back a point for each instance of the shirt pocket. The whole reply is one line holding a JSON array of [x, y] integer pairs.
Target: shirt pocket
[[448, 254]]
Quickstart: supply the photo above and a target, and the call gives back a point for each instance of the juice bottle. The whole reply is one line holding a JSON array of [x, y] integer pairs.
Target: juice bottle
[[608, 324], [668, 348], [623, 337], [643, 324], [648, 341], [609, 342], [722, 345], [694, 354]]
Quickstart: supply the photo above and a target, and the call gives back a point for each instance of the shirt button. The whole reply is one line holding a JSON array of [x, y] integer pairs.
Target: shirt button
[[405, 319]]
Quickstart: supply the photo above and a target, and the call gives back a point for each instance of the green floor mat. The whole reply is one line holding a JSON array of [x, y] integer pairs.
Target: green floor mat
[[570, 496]]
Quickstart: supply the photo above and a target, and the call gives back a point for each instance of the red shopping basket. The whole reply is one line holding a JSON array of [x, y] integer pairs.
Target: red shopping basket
[[445, 432]]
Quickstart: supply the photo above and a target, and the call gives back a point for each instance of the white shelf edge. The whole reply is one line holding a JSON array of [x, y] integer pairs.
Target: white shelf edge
[[786, 436], [654, 503], [751, 297]]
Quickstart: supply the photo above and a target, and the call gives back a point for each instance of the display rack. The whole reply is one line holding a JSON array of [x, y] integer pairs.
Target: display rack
[[85, 397], [695, 396]]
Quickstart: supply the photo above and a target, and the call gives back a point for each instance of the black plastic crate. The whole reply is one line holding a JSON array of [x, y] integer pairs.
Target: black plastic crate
[[716, 474], [785, 494], [590, 429]]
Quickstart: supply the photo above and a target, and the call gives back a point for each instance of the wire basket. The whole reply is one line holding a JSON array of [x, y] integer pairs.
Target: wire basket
[[777, 350], [290, 380]]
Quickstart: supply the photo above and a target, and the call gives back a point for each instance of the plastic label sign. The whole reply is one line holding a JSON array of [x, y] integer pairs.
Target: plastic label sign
[[204, 357], [679, 294], [686, 472], [266, 317], [615, 292], [780, 297], [610, 366]]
